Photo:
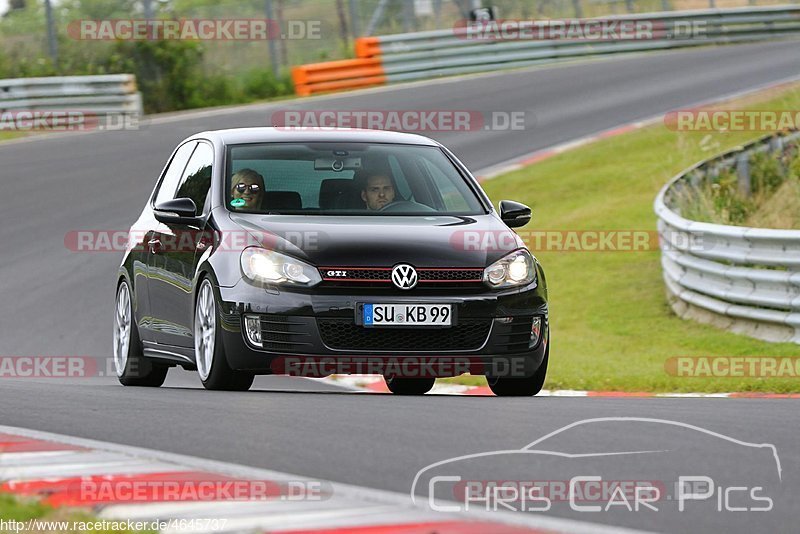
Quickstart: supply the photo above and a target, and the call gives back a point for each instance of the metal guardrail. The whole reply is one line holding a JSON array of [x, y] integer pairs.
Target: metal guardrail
[[99, 95], [420, 55], [744, 279]]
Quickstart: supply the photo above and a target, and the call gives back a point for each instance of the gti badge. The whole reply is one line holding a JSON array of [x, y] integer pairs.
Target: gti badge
[[404, 276]]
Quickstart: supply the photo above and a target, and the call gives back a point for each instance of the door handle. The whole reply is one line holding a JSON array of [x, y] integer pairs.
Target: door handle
[[155, 246]]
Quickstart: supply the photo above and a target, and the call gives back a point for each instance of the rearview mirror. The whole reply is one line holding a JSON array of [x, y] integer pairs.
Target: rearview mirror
[[337, 164], [176, 211], [514, 214]]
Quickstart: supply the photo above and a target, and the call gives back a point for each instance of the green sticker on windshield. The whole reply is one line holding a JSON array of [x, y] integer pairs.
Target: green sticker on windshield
[[237, 202]]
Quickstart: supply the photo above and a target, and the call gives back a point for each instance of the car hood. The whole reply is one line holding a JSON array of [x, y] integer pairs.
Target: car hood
[[372, 241]]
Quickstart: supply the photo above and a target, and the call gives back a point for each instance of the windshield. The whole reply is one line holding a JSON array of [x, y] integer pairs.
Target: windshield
[[342, 179]]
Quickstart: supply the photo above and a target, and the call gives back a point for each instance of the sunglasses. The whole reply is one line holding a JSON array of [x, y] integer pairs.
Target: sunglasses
[[242, 187]]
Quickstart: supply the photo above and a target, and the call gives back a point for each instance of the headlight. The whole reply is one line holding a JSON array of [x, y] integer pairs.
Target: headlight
[[262, 265], [516, 269]]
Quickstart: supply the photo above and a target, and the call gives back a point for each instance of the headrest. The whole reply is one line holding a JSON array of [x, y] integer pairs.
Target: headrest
[[331, 190], [282, 200]]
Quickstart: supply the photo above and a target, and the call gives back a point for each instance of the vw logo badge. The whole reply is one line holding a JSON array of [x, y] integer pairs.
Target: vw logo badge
[[404, 276]]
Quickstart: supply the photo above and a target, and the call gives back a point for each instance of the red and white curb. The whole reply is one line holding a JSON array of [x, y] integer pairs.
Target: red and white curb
[[547, 153], [120, 483], [376, 384]]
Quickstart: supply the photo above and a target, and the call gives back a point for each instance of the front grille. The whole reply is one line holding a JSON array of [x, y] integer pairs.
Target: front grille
[[282, 334], [344, 334], [360, 274], [382, 276], [450, 275]]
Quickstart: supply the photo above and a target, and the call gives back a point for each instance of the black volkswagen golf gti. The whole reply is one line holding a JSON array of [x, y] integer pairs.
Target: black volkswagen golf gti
[[265, 251]]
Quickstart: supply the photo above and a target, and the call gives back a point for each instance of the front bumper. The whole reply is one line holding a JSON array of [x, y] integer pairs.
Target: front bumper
[[313, 332]]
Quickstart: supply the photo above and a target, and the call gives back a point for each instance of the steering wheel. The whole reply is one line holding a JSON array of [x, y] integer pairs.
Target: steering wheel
[[405, 205]]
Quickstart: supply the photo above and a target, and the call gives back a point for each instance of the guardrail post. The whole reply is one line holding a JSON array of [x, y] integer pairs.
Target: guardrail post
[[354, 22], [52, 43], [147, 6], [343, 32], [578, 9], [743, 172], [776, 144], [409, 17], [273, 52], [776, 147], [377, 15]]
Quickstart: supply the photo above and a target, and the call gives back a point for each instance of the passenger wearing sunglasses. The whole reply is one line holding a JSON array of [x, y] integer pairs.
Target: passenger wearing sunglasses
[[247, 185]]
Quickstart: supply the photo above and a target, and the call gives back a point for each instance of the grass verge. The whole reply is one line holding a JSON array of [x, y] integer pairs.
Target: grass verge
[[612, 328], [6, 135]]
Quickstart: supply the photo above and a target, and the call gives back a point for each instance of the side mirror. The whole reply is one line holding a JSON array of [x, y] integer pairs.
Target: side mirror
[[176, 211], [514, 214]]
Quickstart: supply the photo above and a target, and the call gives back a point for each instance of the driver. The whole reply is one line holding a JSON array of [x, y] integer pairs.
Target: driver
[[378, 192], [247, 189]]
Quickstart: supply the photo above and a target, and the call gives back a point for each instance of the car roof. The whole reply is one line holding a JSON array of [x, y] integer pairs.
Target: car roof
[[236, 136]]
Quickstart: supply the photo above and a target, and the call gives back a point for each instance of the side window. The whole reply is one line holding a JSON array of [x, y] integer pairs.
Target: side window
[[169, 184], [196, 179]]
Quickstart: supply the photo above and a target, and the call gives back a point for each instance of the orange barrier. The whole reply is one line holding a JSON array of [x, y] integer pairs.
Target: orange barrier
[[368, 47], [337, 75], [340, 85]]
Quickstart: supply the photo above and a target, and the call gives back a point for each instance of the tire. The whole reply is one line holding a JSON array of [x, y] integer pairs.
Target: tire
[[132, 368], [212, 365], [409, 386], [520, 387]]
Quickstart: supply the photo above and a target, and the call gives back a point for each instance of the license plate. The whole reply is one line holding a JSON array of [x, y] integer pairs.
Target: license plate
[[407, 315]]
